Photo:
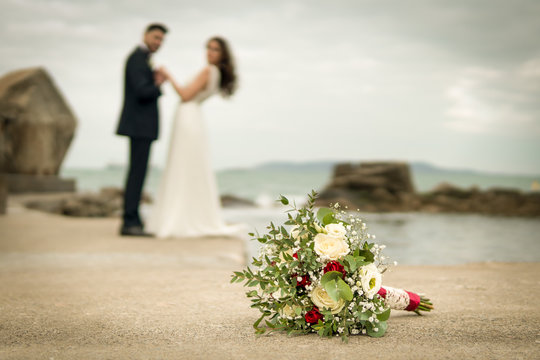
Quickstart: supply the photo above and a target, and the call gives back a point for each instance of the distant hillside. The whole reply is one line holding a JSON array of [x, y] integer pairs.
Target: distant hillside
[[297, 166]]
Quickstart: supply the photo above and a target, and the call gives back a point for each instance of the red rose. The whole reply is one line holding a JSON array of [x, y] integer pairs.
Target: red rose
[[305, 280], [313, 316], [335, 266]]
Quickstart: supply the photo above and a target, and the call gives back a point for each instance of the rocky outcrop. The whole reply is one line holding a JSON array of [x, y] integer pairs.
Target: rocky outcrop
[[394, 177], [235, 201], [107, 203], [374, 186], [385, 187], [508, 202], [3, 194], [36, 127]]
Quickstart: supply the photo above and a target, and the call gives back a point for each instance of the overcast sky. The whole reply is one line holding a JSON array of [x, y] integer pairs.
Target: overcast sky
[[454, 83]]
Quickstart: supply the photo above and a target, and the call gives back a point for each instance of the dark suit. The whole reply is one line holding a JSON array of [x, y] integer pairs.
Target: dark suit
[[139, 121]]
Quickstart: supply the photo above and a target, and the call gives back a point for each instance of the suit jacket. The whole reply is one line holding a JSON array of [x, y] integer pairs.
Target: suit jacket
[[139, 118]]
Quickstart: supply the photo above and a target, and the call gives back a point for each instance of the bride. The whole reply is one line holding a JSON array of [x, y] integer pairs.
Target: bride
[[187, 202]]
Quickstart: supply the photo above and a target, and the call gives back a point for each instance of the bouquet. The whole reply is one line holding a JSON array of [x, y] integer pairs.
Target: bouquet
[[324, 275]]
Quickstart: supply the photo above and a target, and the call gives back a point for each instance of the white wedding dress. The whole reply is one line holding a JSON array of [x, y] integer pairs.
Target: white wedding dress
[[188, 203]]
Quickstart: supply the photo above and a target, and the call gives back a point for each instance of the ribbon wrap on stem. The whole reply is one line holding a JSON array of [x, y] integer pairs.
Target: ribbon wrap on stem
[[398, 299]]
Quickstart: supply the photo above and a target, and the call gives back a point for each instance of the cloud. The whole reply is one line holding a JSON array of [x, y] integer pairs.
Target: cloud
[[371, 69], [491, 101]]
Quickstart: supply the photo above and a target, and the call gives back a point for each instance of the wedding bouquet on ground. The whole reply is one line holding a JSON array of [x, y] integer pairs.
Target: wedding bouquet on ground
[[324, 276]]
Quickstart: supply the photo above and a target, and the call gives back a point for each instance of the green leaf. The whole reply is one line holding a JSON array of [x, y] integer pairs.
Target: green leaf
[[381, 326], [323, 213], [329, 219], [350, 263], [345, 291], [284, 200], [384, 315], [256, 323], [332, 289], [269, 324], [335, 287], [365, 315], [368, 255], [331, 275]]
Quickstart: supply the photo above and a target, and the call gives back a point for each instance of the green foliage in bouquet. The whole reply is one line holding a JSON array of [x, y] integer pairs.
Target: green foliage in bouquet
[[321, 276]]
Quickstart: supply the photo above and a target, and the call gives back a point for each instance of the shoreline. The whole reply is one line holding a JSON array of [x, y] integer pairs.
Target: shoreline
[[75, 289]]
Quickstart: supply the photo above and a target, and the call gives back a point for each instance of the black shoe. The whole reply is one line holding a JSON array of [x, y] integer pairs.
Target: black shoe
[[134, 231]]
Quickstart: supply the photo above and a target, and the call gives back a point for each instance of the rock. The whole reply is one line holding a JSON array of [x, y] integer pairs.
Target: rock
[[234, 201], [36, 125], [392, 176], [382, 187], [454, 191], [383, 195], [506, 202], [107, 203], [374, 186], [3, 194], [24, 183]]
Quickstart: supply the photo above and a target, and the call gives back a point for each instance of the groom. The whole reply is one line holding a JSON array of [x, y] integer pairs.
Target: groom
[[139, 121]]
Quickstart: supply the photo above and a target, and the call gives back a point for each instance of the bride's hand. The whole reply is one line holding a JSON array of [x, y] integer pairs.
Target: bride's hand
[[163, 70], [160, 76]]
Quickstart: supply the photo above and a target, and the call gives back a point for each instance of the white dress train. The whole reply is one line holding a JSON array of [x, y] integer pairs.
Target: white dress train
[[187, 202]]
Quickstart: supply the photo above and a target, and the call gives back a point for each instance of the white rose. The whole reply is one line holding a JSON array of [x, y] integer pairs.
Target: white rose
[[371, 279], [337, 230], [330, 247], [288, 311], [320, 297]]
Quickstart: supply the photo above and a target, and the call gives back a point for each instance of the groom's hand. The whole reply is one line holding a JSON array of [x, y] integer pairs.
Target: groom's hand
[[159, 77]]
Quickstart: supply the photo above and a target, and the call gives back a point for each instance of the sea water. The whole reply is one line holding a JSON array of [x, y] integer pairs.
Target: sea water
[[427, 239], [411, 238]]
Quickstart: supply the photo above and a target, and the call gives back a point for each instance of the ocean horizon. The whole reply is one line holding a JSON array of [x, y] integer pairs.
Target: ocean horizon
[[267, 181], [412, 238]]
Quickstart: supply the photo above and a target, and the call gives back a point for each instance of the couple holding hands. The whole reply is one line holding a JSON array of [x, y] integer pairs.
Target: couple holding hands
[[187, 202]]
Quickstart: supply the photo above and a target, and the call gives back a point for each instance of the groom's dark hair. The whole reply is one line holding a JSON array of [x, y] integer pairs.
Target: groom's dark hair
[[156, 26]]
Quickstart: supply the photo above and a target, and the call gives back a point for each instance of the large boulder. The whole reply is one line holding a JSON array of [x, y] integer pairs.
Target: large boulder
[[394, 177], [36, 123], [106, 203], [372, 186], [383, 187], [497, 201], [3, 194]]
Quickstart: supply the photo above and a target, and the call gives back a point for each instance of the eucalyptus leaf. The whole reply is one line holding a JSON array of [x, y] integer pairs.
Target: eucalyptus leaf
[[331, 275], [384, 315], [365, 315], [381, 327], [332, 289], [345, 291], [322, 213], [329, 219], [335, 287]]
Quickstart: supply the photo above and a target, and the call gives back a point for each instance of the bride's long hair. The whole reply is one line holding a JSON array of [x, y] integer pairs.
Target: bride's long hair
[[226, 67]]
